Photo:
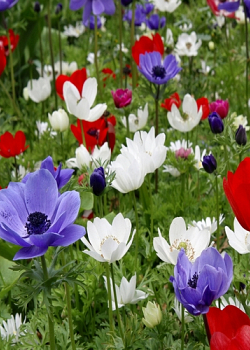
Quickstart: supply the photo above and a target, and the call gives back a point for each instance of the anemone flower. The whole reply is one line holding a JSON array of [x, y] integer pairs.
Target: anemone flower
[[7, 4], [93, 6], [33, 216]]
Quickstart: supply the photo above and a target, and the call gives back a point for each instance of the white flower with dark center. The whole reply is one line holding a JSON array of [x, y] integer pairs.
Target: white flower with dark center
[[166, 5], [74, 31], [11, 328], [192, 240], [239, 239], [189, 118], [178, 310], [137, 122], [187, 45], [207, 224], [126, 293], [108, 243]]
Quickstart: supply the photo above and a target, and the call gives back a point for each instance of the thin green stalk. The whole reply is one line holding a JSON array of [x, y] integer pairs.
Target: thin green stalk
[[50, 311], [157, 128], [120, 40], [68, 299], [132, 40], [51, 52], [207, 327], [151, 215], [75, 285], [82, 131], [10, 98], [11, 70], [217, 212], [116, 304], [247, 57], [182, 326], [127, 126], [96, 59], [60, 45], [137, 230], [16, 167], [111, 323]]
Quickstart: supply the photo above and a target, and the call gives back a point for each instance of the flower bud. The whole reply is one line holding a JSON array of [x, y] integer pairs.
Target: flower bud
[[59, 120], [211, 45], [26, 93], [209, 163], [216, 123], [122, 98], [241, 136], [97, 181], [152, 315], [59, 8], [221, 107], [37, 7]]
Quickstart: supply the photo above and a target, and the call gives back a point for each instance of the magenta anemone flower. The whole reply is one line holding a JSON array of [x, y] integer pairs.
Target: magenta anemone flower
[[33, 216]]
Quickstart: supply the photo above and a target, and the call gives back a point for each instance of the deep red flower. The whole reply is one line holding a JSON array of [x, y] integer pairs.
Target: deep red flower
[[213, 4], [2, 61], [14, 38], [77, 78], [11, 146], [108, 73], [204, 103], [229, 328], [173, 99], [96, 133], [145, 44], [237, 190]]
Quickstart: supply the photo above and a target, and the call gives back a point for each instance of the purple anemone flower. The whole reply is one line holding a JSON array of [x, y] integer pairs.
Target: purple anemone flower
[[62, 176], [97, 7], [156, 71], [197, 285], [34, 217], [154, 22], [140, 16], [229, 6], [90, 23], [7, 4]]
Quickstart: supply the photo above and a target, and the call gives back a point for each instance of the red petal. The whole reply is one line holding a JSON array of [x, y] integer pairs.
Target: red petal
[[77, 78]]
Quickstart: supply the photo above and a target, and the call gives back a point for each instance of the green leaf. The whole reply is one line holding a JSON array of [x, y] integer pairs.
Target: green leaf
[[7, 250], [87, 200], [8, 277]]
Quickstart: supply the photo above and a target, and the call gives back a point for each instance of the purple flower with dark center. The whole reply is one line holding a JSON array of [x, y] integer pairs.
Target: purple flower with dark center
[[216, 123], [34, 217], [90, 23], [198, 284], [62, 176], [97, 181], [154, 22], [7, 4], [156, 71], [209, 163], [97, 7]]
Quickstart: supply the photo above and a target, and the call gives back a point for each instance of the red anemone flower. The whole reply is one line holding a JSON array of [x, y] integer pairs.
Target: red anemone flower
[[237, 190], [213, 4], [96, 133], [14, 38], [12, 146], [204, 103], [145, 44], [173, 99], [108, 73], [229, 328], [77, 78], [2, 61]]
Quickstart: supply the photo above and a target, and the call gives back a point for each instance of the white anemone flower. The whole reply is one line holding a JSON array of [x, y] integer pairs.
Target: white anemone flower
[[11, 328], [59, 120], [137, 122], [148, 148], [74, 31], [239, 239], [67, 68], [108, 243], [190, 117], [169, 37], [199, 157], [166, 6], [187, 45], [39, 89], [240, 120], [129, 172], [126, 293], [185, 27], [178, 310], [208, 223], [192, 240], [85, 159], [171, 170], [152, 314], [80, 105]]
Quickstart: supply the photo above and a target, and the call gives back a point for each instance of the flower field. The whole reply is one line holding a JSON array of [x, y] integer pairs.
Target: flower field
[[124, 175]]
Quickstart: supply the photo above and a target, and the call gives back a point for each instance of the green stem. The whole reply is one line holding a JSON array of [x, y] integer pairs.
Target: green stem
[[207, 327], [68, 299], [217, 212], [11, 70], [111, 323], [247, 58], [60, 45], [82, 131], [182, 326], [157, 128], [132, 40], [127, 126], [10, 98], [75, 285], [96, 59], [151, 215], [51, 52], [49, 308], [116, 304], [137, 230], [120, 40]]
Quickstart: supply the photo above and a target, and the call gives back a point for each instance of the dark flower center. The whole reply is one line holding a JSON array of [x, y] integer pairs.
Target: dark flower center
[[93, 132], [158, 72], [37, 223], [193, 281]]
